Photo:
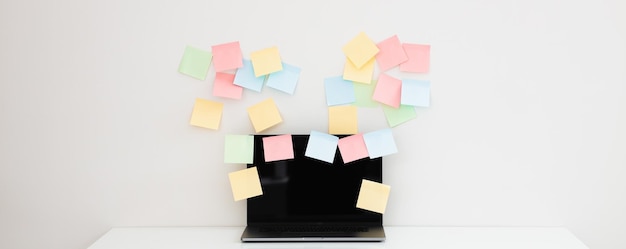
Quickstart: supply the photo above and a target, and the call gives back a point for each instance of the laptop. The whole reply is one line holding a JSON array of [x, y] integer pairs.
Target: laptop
[[305, 199]]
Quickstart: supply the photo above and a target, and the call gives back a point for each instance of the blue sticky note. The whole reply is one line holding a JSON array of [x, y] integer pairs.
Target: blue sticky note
[[339, 91], [380, 143], [284, 80], [321, 146], [415, 93], [245, 77]]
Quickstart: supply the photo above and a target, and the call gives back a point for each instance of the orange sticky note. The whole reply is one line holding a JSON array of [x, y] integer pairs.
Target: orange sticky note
[[373, 196], [245, 183], [419, 58], [206, 114], [362, 75], [264, 115], [352, 148], [266, 61], [360, 50], [342, 119], [277, 148]]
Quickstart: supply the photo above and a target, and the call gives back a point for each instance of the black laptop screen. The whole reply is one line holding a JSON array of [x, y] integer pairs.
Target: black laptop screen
[[307, 190]]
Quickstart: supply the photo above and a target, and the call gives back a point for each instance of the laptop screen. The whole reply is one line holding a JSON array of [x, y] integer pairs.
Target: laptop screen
[[307, 190]]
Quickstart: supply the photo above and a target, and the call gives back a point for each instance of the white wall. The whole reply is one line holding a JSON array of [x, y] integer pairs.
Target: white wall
[[526, 126]]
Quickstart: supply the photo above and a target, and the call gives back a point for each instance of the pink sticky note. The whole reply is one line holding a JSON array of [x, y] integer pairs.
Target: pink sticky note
[[352, 148], [227, 56], [278, 148], [388, 91], [391, 53], [419, 58], [224, 87]]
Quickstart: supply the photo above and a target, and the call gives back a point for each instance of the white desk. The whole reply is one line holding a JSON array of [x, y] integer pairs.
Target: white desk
[[397, 237]]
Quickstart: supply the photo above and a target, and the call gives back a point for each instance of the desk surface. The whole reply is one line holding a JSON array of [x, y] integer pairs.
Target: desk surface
[[397, 237]]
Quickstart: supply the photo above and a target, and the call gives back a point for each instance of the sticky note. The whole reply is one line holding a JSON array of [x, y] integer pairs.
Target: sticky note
[[362, 75], [391, 53], [388, 90], [380, 143], [342, 120], [419, 58], [266, 61], [264, 115], [339, 91], [223, 86], [373, 196], [321, 146], [364, 94], [238, 149], [360, 50], [206, 114], [277, 148], [352, 148], [396, 116], [245, 183], [195, 62], [246, 79], [227, 56], [415, 93], [285, 80]]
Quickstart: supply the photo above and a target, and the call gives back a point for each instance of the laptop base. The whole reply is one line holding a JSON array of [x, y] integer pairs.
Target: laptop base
[[262, 234]]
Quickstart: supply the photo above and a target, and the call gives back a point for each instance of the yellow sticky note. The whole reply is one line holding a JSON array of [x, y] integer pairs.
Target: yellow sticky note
[[207, 114], [373, 196], [362, 75], [342, 119], [266, 61], [245, 183], [360, 50], [264, 115]]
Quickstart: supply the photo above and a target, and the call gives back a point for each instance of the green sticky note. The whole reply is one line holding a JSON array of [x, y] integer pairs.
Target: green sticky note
[[238, 149], [364, 93], [195, 62], [396, 116]]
